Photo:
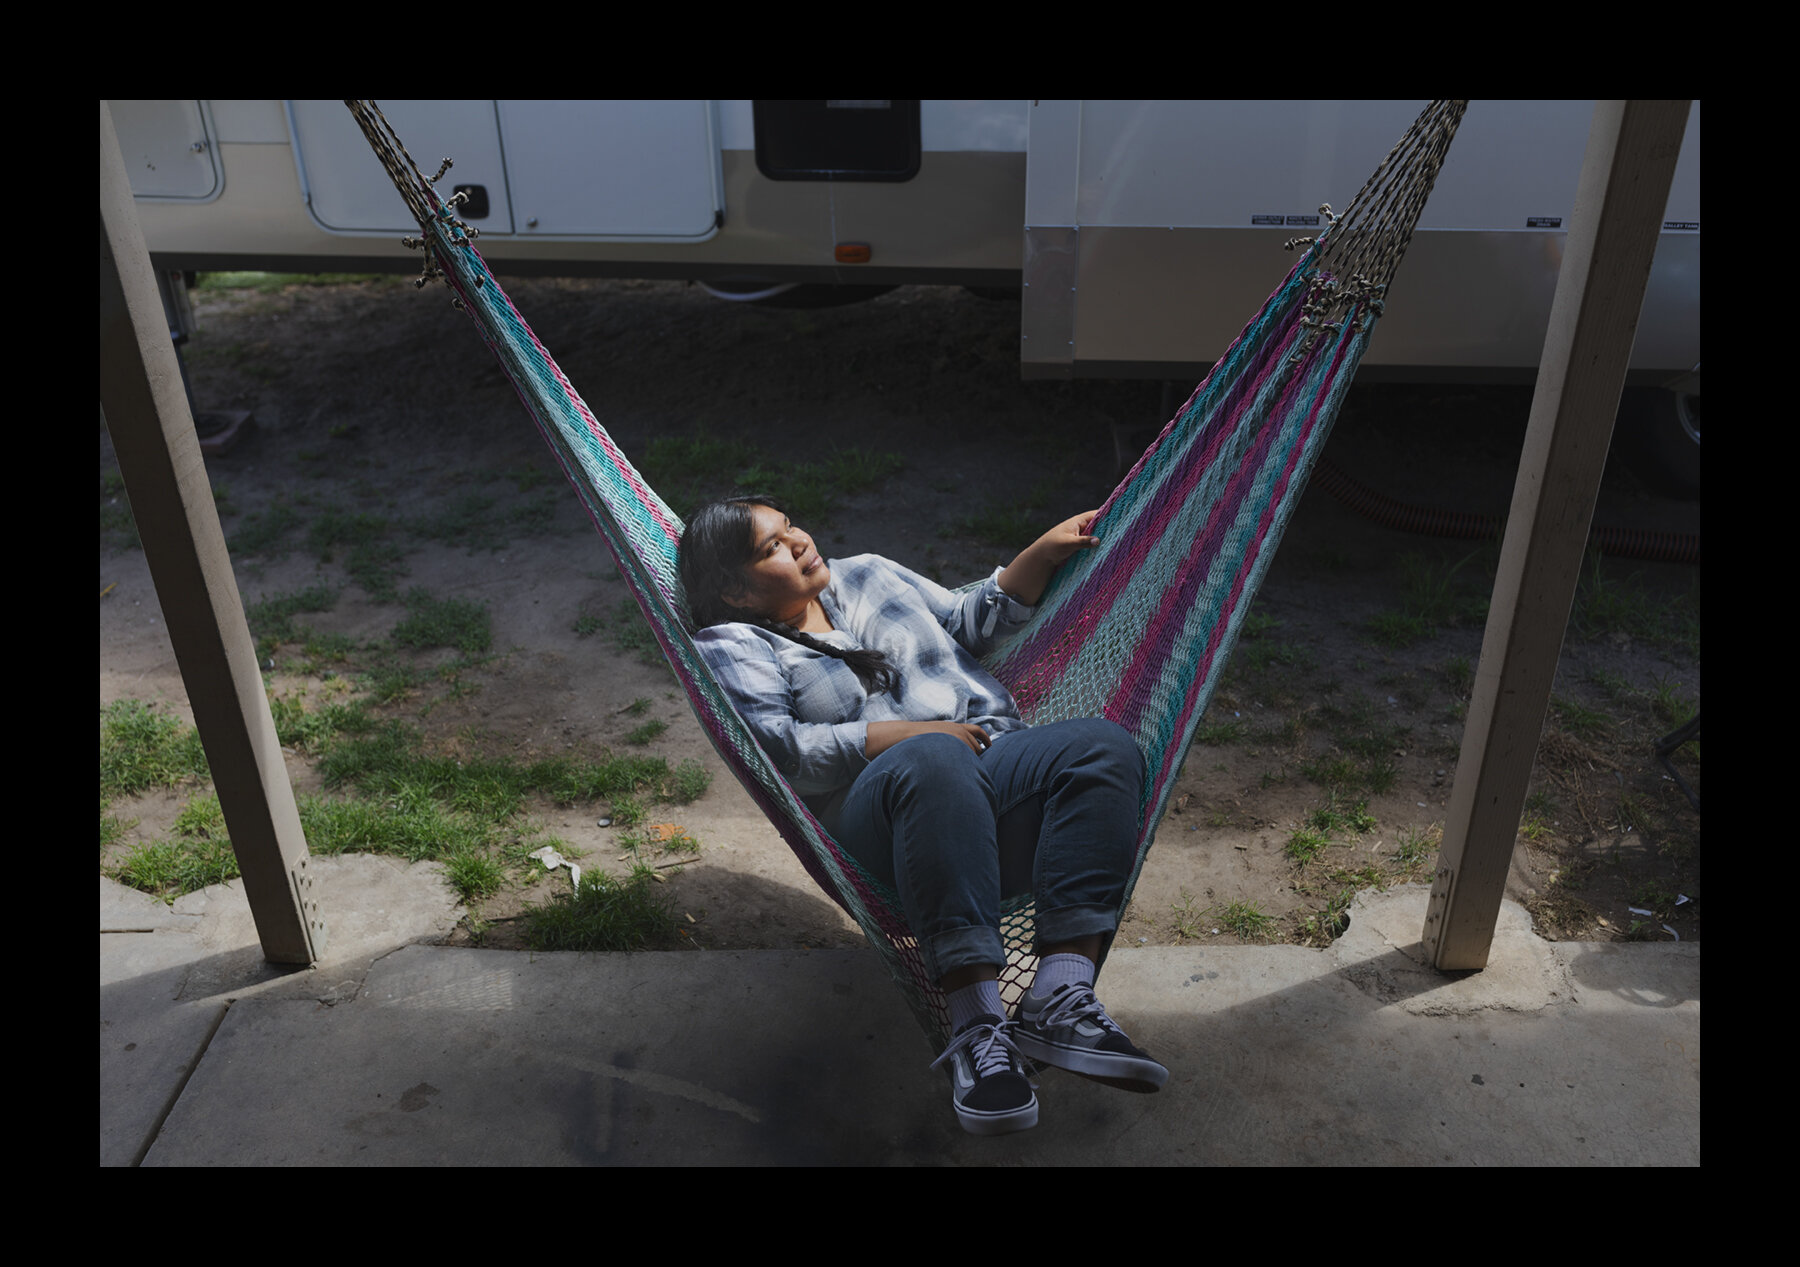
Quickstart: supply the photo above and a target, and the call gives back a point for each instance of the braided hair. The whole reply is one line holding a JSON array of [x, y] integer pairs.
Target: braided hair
[[715, 548]]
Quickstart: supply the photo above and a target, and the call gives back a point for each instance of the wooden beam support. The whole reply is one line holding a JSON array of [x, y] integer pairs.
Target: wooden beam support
[[146, 411], [1613, 232]]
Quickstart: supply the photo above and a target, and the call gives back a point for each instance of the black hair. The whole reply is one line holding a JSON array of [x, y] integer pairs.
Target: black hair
[[716, 546]]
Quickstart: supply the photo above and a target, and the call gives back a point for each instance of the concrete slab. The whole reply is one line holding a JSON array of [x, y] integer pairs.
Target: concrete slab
[[399, 1052], [1280, 1056], [169, 973]]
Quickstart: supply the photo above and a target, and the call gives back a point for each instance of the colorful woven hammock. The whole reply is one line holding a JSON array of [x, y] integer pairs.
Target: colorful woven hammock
[[1137, 630]]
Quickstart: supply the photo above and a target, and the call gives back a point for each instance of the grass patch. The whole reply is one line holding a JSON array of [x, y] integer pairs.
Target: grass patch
[[1332, 817], [170, 868], [198, 857], [689, 470], [142, 748], [444, 622], [604, 914], [630, 632], [275, 283], [1014, 525], [1219, 734], [272, 620], [265, 533]]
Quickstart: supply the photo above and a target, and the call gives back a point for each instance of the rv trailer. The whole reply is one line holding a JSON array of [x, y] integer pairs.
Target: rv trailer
[[1136, 236]]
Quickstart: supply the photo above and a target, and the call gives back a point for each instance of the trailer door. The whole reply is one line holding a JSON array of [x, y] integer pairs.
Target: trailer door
[[617, 170]]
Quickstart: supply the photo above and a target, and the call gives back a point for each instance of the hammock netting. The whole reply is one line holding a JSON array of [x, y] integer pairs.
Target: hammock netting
[[1137, 630]]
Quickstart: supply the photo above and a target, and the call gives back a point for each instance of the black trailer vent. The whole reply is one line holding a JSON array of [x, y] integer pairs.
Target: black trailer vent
[[837, 140]]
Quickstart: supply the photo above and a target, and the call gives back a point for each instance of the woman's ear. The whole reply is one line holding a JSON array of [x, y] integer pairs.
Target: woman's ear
[[736, 597]]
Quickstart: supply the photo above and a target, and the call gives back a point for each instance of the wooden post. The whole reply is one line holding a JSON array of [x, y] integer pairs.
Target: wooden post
[[146, 410], [1619, 206]]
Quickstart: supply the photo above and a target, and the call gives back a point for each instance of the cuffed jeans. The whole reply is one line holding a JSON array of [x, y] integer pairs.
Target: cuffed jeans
[[1051, 810]]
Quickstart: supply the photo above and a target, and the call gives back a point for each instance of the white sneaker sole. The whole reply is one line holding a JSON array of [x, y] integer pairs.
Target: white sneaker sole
[[1127, 1073], [978, 1123]]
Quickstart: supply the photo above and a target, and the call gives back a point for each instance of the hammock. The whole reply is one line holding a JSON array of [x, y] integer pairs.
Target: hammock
[[1137, 630]]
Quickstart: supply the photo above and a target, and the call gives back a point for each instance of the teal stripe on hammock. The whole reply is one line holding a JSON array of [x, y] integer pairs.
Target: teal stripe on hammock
[[1185, 721], [1192, 670]]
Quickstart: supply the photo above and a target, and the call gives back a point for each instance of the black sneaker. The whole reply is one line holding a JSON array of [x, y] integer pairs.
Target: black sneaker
[[988, 1086], [1072, 1031]]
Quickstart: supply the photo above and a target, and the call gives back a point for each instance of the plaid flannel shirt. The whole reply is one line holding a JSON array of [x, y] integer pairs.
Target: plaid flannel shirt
[[811, 713]]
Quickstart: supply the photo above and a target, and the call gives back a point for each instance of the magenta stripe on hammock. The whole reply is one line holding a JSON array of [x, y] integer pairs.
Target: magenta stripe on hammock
[[1174, 753], [1097, 593], [1131, 697], [1049, 649]]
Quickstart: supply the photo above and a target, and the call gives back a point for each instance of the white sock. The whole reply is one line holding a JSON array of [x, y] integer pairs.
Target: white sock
[[980, 999], [1056, 971]]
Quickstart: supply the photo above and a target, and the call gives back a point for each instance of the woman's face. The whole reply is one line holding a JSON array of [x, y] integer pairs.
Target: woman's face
[[785, 572]]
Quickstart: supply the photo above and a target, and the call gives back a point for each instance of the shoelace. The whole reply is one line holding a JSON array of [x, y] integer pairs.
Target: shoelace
[[990, 1047], [1076, 1003]]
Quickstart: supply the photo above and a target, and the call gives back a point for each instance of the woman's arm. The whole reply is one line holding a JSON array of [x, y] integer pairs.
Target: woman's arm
[[1026, 576]]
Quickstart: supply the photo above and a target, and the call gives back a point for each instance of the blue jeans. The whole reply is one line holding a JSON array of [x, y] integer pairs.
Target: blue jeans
[[1051, 810]]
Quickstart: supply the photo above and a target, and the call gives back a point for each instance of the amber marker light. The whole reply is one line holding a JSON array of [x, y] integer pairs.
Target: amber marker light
[[853, 252]]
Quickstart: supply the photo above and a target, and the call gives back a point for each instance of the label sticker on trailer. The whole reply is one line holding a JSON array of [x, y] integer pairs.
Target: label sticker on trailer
[[1543, 222], [1281, 222], [1681, 226]]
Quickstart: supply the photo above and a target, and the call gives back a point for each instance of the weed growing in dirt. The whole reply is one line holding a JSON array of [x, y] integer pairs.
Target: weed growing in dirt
[[1415, 851], [1246, 920], [1305, 844], [1429, 601], [1580, 720], [1015, 525], [1188, 916], [647, 733], [1608, 603]]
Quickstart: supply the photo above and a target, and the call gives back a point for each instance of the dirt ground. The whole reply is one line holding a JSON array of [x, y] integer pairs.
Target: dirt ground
[[374, 398]]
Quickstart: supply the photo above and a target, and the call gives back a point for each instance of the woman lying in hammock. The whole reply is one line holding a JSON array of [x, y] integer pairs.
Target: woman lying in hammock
[[860, 680]]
